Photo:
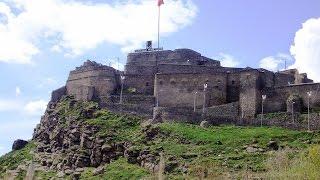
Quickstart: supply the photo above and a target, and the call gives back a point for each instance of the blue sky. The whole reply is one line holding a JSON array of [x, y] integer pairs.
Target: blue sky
[[40, 42]]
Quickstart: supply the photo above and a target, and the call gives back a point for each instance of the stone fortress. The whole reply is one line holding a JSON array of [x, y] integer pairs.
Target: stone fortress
[[186, 86]]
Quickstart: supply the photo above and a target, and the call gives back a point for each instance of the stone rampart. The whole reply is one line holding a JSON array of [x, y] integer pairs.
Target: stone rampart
[[286, 120], [230, 110], [250, 94], [91, 81], [56, 95], [277, 98], [181, 90]]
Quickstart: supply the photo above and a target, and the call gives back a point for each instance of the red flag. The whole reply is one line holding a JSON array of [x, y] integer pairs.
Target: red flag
[[160, 2]]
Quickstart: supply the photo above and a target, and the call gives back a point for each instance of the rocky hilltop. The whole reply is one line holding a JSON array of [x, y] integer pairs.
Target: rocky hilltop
[[81, 140], [73, 135]]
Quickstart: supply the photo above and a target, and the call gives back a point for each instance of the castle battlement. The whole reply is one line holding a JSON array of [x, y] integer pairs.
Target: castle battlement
[[167, 79]]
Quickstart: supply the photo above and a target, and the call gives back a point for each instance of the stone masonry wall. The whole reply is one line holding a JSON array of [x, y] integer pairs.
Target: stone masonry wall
[[230, 110], [178, 90], [101, 80], [226, 113], [233, 84], [250, 95], [277, 98]]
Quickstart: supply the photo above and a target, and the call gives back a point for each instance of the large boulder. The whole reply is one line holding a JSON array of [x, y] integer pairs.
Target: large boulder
[[19, 144], [204, 124], [273, 145]]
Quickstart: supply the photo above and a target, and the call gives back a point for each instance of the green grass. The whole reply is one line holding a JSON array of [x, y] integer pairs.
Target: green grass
[[67, 108], [119, 169], [191, 139], [232, 136], [213, 153], [45, 175], [220, 146], [117, 127], [304, 166], [13, 159]]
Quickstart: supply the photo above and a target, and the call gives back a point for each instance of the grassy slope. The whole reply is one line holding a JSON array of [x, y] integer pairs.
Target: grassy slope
[[227, 156], [119, 169], [219, 148], [13, 159], [213, 152]]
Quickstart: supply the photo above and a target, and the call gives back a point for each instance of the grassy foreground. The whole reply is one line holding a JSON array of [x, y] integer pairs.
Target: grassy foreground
[[192, 152]]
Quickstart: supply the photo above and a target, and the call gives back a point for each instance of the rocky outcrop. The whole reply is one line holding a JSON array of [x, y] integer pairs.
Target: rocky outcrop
[[19, 144], [66, 142]]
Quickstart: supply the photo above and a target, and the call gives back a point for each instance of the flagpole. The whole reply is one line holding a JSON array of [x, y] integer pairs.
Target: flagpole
[[159, 28]]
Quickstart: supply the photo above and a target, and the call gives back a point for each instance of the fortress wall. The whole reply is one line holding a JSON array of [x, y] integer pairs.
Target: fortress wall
[[277, 98], [140, 70], [226, 113], [132, 99], [176, 57], [230, 110], [57, 94], [302, 90], [147, 58], [267, 79], [282, 79], [100, 81], [184, 68], [275, 101], [178, 90], [142, 84], [233, 87], [250, 95]]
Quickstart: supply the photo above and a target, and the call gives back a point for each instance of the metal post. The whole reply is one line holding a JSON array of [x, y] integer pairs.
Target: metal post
[[261, 115], [122, 79], [159, 29], [204, 97], [309, 95], [194, 101], [292, 113], [262, 103]]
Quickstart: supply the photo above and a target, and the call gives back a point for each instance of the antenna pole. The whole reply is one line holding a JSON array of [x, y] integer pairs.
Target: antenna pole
[[159, 28]]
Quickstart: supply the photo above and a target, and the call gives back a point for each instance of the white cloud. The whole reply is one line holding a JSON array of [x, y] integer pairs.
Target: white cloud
[[36, 107], [76, 27], [227, 60], [306, 49], [275, 63], [18, 91]]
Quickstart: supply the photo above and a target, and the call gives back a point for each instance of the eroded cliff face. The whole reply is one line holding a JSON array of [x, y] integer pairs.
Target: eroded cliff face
[[73, 135]]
